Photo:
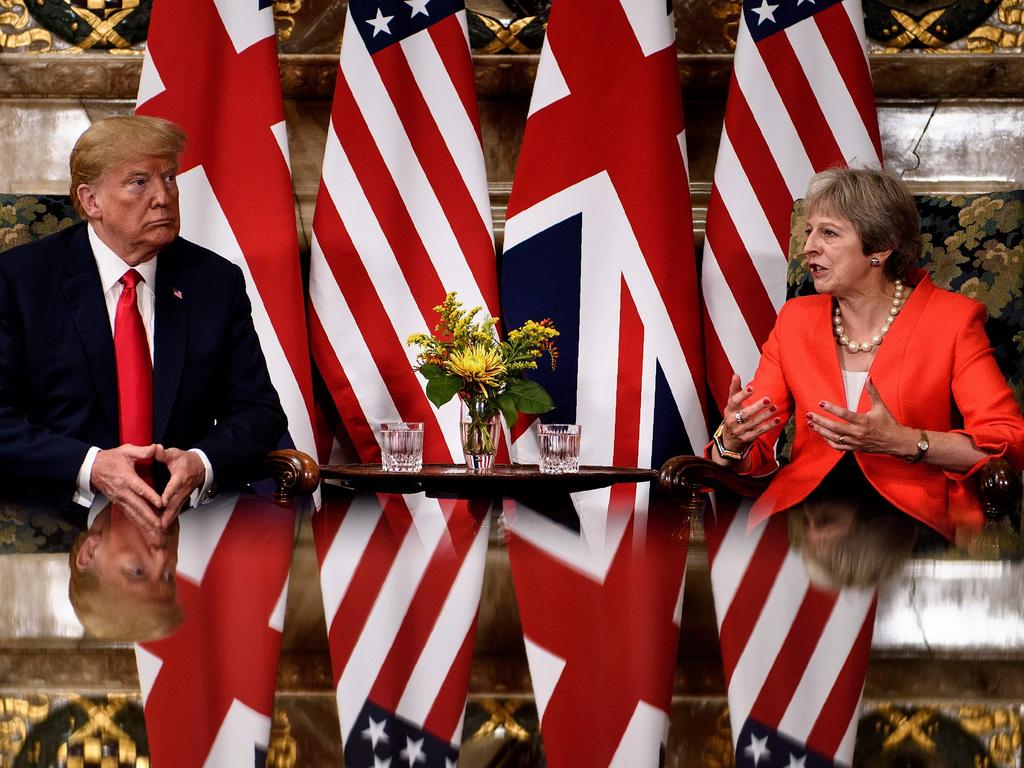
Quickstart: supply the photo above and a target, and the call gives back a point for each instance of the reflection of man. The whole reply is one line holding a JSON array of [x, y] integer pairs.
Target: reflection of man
[[122, 578], [126, 353]]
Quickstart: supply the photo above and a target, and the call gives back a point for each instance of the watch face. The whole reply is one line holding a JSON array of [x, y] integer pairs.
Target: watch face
[[922, 445]]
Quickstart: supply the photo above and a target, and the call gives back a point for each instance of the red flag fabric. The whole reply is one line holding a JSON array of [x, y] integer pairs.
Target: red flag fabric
[[236, 197], [208, 689], [599, 238], [402, 218]]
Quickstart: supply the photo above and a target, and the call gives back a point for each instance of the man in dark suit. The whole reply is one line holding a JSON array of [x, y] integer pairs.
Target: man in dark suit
[[129, 364]]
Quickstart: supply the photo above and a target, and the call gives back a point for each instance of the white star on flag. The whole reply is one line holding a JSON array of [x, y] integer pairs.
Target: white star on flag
[[801, 2], [381, 762], [764, 11], [757, 749], [418, 7], [375, 733], [449, 763], [380, 23], [795, 762], [413, 751]]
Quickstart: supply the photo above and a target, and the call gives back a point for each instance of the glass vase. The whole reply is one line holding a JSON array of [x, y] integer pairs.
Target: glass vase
[[480, 431]]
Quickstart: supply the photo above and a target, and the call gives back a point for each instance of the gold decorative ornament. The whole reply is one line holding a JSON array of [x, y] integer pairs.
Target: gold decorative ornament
[[284, 17], [14, 16], [283, 749], [502, 722]]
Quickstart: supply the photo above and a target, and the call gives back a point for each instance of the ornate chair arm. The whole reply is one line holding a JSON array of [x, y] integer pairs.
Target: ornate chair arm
[[1000, 489], [691, 478], [295, 473]]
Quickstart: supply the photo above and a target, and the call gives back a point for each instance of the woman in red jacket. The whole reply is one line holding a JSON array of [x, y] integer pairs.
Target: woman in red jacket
[[892, 380]]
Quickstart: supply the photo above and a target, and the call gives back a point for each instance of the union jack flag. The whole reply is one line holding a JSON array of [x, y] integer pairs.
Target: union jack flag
[[599, 238], [224, 89], [402, 218], [208, 689], [800, 101], [794, 655]]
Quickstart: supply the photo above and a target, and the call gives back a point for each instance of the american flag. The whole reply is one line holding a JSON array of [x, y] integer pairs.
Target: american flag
[[794, 654], [208, 689], [800, 101], [224, 89], [599, 238], [401, 580], [403, 216]]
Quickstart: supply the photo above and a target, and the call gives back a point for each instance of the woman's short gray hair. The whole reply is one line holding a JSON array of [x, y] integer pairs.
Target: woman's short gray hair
[[879, 206]]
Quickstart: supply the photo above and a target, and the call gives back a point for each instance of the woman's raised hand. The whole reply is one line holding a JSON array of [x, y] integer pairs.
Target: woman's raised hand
[[743, 425]]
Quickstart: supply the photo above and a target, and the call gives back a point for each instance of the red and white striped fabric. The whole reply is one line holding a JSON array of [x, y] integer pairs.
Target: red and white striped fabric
[[224, 89], [402, 218], [794, 655], [401, 580], [403, 215], [800, 101], [208, 689]]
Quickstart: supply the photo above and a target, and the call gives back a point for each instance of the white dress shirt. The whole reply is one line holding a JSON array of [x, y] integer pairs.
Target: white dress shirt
[[112, 269]]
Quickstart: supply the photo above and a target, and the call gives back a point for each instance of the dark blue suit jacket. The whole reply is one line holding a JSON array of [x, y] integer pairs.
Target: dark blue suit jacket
[[58, 378]]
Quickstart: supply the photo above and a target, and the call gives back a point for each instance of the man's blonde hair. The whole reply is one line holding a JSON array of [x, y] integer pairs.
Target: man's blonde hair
[[115, 140]]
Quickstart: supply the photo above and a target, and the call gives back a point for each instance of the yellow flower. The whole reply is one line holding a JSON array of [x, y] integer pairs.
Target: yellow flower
[[477, 366]]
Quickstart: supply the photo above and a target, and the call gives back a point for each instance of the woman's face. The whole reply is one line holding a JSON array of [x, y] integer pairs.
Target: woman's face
[[836, 258]]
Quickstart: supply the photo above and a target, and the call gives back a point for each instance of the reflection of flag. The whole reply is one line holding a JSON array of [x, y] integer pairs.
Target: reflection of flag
[[800, 101], [401, 583], [794, 655], [599, 238], [208, 689], [402, 217], [223, 88], [600, 609]]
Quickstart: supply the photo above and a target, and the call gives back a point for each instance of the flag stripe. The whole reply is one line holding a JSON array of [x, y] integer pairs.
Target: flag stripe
[[801, 101]]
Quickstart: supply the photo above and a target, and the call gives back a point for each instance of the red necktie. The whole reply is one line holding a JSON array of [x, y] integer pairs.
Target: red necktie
[[134, 367]]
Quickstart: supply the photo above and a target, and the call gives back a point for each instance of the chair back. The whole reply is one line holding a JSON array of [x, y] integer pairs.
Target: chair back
[[24, 218]]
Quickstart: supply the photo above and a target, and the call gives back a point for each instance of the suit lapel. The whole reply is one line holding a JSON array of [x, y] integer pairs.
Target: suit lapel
[[170, 340], [822, 348], [80, 284], [887, 367]]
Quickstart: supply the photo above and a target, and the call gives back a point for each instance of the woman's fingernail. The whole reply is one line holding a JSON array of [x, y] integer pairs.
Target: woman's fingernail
[[765, 401], [750, 389], [771, 409], [778, 421], [821, 404]]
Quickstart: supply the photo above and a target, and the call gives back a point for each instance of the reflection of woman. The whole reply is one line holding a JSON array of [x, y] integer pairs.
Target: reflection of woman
[[885, 373]]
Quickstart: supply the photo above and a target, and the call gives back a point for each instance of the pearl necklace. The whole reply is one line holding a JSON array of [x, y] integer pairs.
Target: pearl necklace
[[866, 346]]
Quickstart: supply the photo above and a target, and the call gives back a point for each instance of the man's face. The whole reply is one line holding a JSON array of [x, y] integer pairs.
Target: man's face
[[136, 563], [134, 207]]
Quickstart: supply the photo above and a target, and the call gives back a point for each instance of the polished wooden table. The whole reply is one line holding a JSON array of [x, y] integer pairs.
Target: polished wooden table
[[502, 480]]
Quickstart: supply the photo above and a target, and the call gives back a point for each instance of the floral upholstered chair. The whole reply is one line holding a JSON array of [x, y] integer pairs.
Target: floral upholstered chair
[[973, 244]]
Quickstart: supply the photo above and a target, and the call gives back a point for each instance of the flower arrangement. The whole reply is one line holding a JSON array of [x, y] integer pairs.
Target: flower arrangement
[[465, 357]]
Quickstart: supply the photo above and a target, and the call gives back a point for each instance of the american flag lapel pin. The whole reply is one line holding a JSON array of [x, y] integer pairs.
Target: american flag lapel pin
[[176, 293]]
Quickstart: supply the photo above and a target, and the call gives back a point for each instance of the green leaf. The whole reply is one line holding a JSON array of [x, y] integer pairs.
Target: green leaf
[[441, 389], [529, 396], [507, 404], [430, 371]]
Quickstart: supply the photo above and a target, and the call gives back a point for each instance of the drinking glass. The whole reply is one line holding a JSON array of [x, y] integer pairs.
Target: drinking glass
[[559, 448], [401, 446]]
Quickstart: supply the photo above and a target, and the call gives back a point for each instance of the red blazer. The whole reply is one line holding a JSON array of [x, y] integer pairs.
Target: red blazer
[[936, 360]]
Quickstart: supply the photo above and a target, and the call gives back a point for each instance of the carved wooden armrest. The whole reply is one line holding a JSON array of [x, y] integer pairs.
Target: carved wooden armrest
[[691, 478], [1000, 489], [295, 473]]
